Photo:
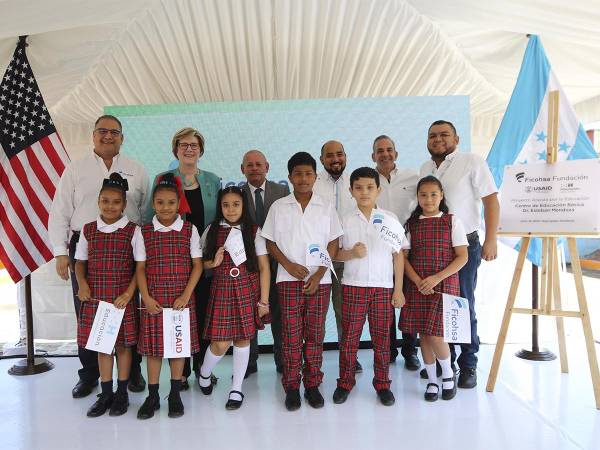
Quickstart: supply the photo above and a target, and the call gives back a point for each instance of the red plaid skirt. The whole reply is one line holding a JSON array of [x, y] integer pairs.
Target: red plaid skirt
[[168, 267], [110, 267], [431, 251], [232, 301]]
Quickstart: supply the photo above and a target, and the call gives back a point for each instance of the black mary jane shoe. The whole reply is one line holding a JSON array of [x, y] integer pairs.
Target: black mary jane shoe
[[234, 404], [449, 394], [208, 389], [100, 406], [432, 396]]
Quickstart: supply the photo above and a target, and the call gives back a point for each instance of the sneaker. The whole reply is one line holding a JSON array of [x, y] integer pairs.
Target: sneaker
[[151, 404], [467, 378], [100, 406], [119, 405], [386, 397], [314, 397], [292, 400], [340, 395]]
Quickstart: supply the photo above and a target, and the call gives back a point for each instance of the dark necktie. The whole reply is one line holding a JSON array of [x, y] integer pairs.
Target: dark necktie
[[260, 207]]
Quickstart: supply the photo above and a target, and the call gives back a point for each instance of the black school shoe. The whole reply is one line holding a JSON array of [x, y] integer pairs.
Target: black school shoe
[[175, 406], [136, 382], [208, 389], [234, 404], [292, 400], [119, 405], [467, 378], [147, 409], [100, 406], [340, 395], [386, 397], [412, 363], [314, 397], [83, 388], [449, 394], [432, 396]]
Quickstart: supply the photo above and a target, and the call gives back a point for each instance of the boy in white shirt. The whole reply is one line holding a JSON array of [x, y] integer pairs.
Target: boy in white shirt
[[373, 271], [302, 231]]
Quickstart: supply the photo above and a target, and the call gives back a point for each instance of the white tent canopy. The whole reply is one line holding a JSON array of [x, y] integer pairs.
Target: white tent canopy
[[87, 55]]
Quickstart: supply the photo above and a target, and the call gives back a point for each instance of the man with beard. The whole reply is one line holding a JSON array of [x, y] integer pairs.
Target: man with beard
[[467, 183], [398, 195], [334, 185]]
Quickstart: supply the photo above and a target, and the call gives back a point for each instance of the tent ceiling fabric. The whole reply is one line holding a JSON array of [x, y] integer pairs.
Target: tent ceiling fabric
[[87, 55]]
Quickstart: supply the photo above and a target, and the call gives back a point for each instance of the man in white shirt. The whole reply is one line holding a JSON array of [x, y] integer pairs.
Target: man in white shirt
[[468, 184], [261, 195], [398, 195], [75, 204], [334, 185]]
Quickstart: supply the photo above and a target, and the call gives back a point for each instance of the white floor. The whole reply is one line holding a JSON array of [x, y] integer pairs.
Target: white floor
[[533, 406]]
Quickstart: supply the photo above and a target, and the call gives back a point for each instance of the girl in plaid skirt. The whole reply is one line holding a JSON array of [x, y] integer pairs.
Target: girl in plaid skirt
[[169, 265], [438, 249], [237, 253], [105, 272]]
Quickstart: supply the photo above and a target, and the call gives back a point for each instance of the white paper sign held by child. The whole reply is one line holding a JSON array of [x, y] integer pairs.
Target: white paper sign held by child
[[176, 333], [457, 320], [105, 328]]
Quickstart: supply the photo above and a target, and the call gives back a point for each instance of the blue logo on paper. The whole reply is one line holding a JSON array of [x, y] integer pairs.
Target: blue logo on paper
[[313, 248], [377, 218], [461, 303]]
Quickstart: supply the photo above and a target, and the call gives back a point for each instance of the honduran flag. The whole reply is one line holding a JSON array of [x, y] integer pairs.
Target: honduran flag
[[522, 135]]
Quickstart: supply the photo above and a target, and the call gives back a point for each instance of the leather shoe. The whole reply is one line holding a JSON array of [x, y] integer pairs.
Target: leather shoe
[[147, 409], [393, 355], [136, 382], [100, 406], [432, 396], [234, 404], [314, 397], [292, 400], [386, 397], [467, 378], [411, 362], [340, 395], [279, 368], [119, 405], [208, 389], [449, 394], [83, 388], [252, 368], [175, 406]]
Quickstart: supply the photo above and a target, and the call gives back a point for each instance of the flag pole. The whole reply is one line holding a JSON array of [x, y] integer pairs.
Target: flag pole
[[31, 365]]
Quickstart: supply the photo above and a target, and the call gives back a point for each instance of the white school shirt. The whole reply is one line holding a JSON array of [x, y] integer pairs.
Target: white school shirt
[[260, 244], [466, 178], [376, 269], [459, 237], [400, 193], [294, 231], [139, 249], [76, 199], [335, 191], [81, 251]]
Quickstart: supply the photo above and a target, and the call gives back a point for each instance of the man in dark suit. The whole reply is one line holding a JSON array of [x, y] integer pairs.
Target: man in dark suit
[[262, 193]]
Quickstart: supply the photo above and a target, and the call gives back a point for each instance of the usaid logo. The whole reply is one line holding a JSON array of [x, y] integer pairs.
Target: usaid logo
[[313, 248], [460, 303], [519, 176], [377, 218]]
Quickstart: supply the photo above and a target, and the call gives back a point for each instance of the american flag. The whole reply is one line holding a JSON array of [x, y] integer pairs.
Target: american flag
[[32, 159]]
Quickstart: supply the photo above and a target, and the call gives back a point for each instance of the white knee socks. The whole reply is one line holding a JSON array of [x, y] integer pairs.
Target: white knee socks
[[431, 374], [240, 364], [210, 361], [447, 372]]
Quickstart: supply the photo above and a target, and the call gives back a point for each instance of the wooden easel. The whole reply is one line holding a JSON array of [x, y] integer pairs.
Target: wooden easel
[[550, 298]]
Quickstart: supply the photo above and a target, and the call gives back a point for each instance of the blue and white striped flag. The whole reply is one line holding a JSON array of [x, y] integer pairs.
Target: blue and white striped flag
[[522, 135]]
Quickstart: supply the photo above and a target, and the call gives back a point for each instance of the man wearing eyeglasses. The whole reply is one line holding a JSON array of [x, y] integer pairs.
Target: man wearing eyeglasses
[[75, 204]]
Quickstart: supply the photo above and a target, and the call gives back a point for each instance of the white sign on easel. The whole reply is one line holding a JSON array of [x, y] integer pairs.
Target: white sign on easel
[[105, 329], [457, 320], [561, 197], [234, 245], [176, 333]]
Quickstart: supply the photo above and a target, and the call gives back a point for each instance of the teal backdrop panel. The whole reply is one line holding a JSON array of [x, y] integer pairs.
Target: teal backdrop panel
[[281, 128]]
